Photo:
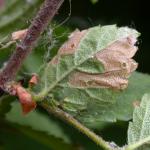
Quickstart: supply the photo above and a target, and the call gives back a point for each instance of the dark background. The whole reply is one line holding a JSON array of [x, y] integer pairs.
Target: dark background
[[132, 13]]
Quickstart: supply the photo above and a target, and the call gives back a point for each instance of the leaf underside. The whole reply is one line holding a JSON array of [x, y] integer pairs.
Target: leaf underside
[[139, 129], [90, 102]]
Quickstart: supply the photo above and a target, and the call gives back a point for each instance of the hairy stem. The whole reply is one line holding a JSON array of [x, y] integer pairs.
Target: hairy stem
[[45, 14], [72, 121]]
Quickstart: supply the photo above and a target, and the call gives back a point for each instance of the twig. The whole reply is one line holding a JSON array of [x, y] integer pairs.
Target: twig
[[69, 119], [46, 13]]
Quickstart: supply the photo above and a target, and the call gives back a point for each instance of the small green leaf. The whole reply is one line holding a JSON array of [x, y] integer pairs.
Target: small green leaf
[[139, 129]]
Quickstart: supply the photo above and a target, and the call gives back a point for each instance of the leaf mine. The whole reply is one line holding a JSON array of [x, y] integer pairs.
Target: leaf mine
[[89, 71]]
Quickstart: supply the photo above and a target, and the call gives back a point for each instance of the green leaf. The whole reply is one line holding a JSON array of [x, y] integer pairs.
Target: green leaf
[[36, 121], [79, 59], [139, 84], [29, 139], [5, 104], [139, 129]]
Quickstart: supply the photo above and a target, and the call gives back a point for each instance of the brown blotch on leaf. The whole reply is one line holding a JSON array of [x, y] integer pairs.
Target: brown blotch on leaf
[[25, 98], [118, 56], [116, 60], [105, 80], [118, 64], [19, 35], [70, 46]]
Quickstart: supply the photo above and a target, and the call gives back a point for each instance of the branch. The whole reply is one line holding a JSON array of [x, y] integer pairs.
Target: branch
[[45, 14], [72, 121]]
